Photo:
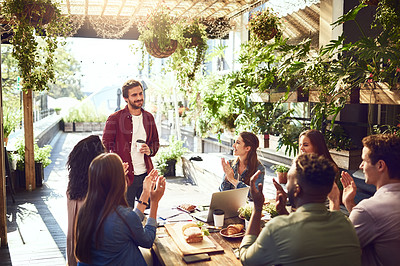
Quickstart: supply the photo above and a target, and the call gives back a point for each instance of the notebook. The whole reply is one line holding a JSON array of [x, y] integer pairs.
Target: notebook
[[229, 201]]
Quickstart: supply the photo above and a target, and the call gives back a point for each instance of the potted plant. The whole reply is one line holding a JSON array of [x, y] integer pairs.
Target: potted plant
[[217, 28], [57, 110], [246, 210], [264, 25], [157, 32], [281, 172], [167, 157], [41, 157], [11, 119]]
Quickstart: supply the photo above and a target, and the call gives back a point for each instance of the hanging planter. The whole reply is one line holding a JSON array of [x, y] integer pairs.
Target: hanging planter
[[264, 25], [156, 33], [37, 13], [217, 28], [154, 49]]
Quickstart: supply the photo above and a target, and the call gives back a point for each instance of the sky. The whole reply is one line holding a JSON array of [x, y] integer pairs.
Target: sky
[[104, 62]]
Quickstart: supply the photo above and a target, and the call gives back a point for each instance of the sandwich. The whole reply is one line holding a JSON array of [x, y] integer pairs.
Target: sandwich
[[192, 233]]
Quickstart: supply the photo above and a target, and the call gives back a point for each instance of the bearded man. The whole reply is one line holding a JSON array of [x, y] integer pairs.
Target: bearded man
[[132, 134]]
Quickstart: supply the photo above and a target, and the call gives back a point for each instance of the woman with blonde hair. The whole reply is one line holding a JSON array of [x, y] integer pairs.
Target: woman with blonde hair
[[108, 231]]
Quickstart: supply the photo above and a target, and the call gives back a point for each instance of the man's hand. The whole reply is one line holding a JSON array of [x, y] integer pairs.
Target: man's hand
[[349, 191], [229, 174], [257, 192], [281, 198], [145, 149]]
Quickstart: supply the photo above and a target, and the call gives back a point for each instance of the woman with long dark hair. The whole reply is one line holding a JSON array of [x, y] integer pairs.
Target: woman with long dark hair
[[238, 172], [78, 164], [313, 141], [108, 231]]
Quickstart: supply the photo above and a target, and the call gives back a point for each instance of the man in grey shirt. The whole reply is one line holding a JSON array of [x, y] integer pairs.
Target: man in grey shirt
[[377, 219], [312, 235]]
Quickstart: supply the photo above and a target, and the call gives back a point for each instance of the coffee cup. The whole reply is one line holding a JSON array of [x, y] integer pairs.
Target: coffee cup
[[139, 144], [218, 215]]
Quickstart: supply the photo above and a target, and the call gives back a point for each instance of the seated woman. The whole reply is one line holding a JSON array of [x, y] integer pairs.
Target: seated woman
[[108, 231], [78, 164], [238, 172], [313, 141]]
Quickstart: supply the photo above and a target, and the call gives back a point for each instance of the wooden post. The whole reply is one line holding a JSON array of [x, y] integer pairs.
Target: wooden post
[[30, 183], [3, 206]]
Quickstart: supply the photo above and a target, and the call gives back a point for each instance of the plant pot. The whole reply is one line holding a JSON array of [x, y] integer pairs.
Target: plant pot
[[282, 177], [170, 168], [37, 14], [68, 126], [371, 2], [58, 112], [154, 49], [267, 37], [39, 174], [79, 127]]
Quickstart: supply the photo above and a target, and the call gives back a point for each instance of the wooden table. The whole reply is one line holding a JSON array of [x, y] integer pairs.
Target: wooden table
[[165, 251]]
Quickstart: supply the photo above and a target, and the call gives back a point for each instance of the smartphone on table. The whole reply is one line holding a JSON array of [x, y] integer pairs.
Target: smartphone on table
[[196, 258]]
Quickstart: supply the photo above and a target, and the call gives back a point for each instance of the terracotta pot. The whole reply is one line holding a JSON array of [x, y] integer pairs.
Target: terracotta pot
[[154, 49], [269, 36], [372, 2], [282, 177]]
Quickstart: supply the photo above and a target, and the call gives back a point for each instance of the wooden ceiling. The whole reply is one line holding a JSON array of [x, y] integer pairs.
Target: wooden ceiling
[[141, 8]]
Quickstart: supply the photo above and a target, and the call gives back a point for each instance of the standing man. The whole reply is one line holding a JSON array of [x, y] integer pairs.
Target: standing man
[[377, 219], [310, 236], [132, 134]]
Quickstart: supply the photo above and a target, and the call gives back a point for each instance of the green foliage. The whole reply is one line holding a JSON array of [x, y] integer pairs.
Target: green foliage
[[188, 57], [36, 71], [246, 210], [280, 168], [85, 112], [174, 151], [12, 117], [41, 155], [386, 129], [158, 25]]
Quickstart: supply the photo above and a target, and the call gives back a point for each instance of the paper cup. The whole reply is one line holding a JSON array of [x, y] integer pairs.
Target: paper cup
[[218, 217], [139, 144]]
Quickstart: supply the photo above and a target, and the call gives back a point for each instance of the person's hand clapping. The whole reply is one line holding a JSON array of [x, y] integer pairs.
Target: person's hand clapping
[[149, 181], [229, 174], [349, 190], [281, 198], [157, 193], [257, 192]]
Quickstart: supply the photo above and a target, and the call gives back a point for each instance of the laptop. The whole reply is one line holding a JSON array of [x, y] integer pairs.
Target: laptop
[[229, 201]]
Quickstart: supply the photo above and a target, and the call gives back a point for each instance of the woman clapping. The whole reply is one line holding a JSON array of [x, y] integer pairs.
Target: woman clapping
[[108, 232]]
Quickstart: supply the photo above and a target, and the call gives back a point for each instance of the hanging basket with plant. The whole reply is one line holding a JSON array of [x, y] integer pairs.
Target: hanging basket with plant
[[217, 28], [31, 20], [156, 33], [264, 25]]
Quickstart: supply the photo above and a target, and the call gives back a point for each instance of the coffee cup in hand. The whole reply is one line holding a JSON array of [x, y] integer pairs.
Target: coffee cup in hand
[[139, 144]]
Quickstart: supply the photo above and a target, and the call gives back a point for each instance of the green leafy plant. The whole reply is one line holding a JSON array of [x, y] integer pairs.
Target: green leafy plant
[[246, 210], [264, 25], [11, 119], [279, 168], [159, 30], [174, 151], [41, 155], [29, 19], [271, 209]]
